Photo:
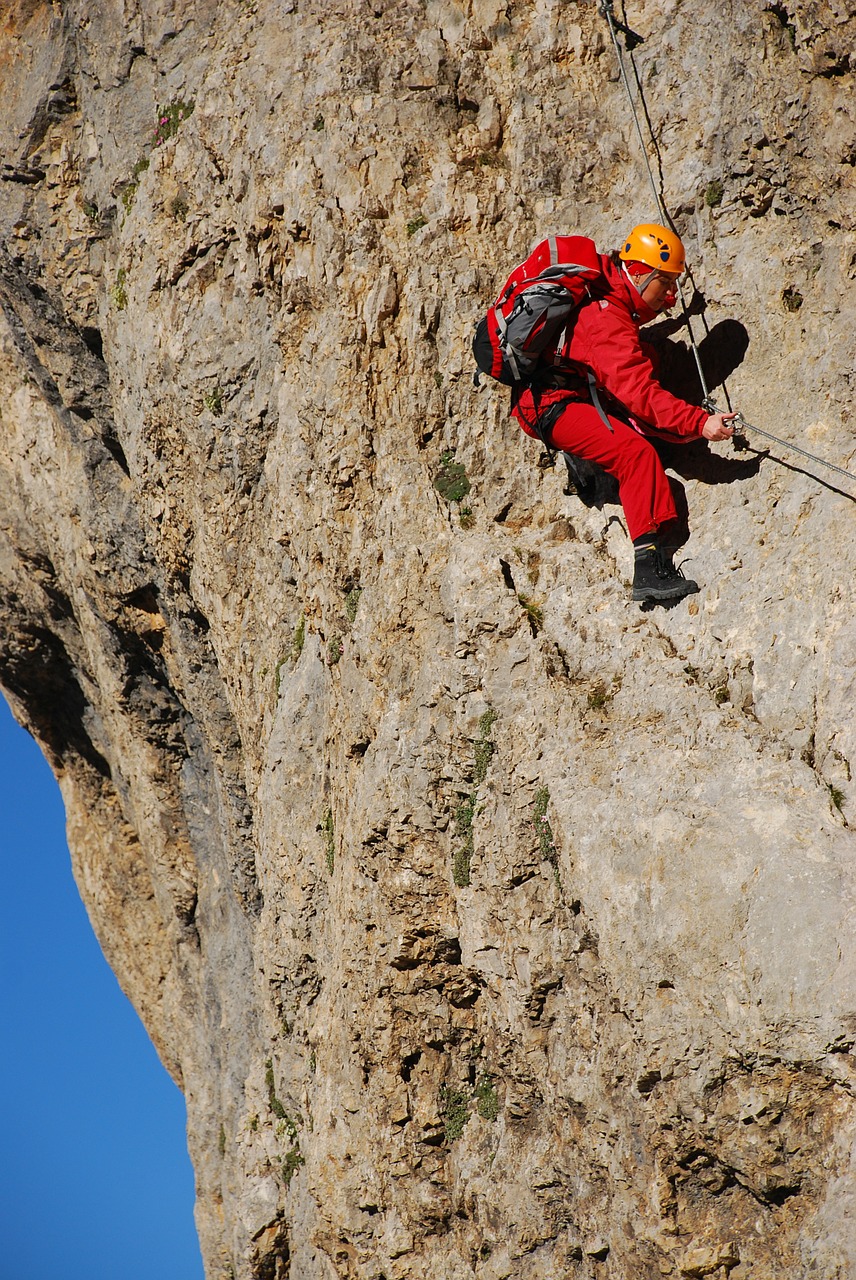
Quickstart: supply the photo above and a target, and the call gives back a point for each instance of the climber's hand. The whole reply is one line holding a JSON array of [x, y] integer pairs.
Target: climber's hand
[[718, 426]]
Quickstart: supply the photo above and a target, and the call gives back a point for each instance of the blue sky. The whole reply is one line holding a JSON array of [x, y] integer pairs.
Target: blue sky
[[95, 1180]]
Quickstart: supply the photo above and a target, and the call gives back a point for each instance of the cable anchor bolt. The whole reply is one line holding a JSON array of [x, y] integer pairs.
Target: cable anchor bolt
[[739, 441]]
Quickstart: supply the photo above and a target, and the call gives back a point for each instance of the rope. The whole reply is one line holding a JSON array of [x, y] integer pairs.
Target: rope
[[739, 422], [606, 8]]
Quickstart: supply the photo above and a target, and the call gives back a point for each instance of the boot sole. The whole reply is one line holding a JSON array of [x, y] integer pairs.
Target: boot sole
[[643, 594]]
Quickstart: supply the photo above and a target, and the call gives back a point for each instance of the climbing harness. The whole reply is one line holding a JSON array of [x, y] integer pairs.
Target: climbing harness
[[740, 424]]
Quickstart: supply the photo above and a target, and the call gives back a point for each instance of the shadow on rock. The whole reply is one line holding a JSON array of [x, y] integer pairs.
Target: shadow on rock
[[592, 485], [720, 352], [697, 461]]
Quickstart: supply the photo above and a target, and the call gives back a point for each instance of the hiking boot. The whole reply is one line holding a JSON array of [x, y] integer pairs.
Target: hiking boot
[[656, 578]]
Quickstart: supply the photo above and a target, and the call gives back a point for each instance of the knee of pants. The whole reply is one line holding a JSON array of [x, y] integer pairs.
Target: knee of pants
[[637, 456]]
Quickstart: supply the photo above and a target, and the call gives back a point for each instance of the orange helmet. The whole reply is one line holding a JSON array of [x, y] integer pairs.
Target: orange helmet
[[656, 246]]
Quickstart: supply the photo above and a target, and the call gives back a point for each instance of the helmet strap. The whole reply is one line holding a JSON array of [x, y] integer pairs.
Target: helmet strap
[[640, 283]]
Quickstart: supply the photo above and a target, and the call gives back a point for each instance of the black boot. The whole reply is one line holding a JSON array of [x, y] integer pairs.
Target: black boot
[[655, 576]]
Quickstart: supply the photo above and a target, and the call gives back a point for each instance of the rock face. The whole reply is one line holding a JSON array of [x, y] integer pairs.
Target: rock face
[[492, 926]]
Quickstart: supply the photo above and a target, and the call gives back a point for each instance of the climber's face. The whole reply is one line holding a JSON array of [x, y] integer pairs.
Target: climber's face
[[661, 290]]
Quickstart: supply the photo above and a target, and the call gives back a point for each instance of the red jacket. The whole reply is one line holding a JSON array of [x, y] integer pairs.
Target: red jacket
[[605, 340]]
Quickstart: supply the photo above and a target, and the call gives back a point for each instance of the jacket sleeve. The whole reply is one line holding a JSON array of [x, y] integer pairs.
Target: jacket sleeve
[[609, 345]]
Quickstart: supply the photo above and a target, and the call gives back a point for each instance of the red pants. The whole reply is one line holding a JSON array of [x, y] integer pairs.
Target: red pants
[[643, 486]]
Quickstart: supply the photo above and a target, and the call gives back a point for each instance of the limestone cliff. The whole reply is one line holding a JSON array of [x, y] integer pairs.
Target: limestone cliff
[[492, 926]]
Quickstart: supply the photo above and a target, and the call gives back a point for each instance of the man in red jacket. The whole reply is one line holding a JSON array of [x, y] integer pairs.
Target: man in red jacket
[[606, 404]]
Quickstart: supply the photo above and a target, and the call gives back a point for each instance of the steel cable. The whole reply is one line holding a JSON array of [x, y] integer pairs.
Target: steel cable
[[740, 423]]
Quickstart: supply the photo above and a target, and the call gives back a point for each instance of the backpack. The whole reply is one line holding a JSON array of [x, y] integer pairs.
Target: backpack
[[525, 324]]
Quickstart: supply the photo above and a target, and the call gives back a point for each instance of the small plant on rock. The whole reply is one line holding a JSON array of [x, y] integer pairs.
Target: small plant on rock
[[273, 1101], [299, 638], [792, 299], [169, 120], [599, 696], [543, 830], [533, 611], [352, 601], [487, 1102], [277, 675], [286, 1128], [119, 292], [714, 193], [129, 194], [456, 1111], [213, 401], [483, 749], [463, 855], [291, 1162], [836, 795], [451, 481]]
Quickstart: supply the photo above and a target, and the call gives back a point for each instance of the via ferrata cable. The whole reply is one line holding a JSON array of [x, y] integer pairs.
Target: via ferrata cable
[[607, 9], [739, 422], [740, 425]]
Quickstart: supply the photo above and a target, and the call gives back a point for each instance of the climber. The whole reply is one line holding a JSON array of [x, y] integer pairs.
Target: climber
[[598, 398]]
